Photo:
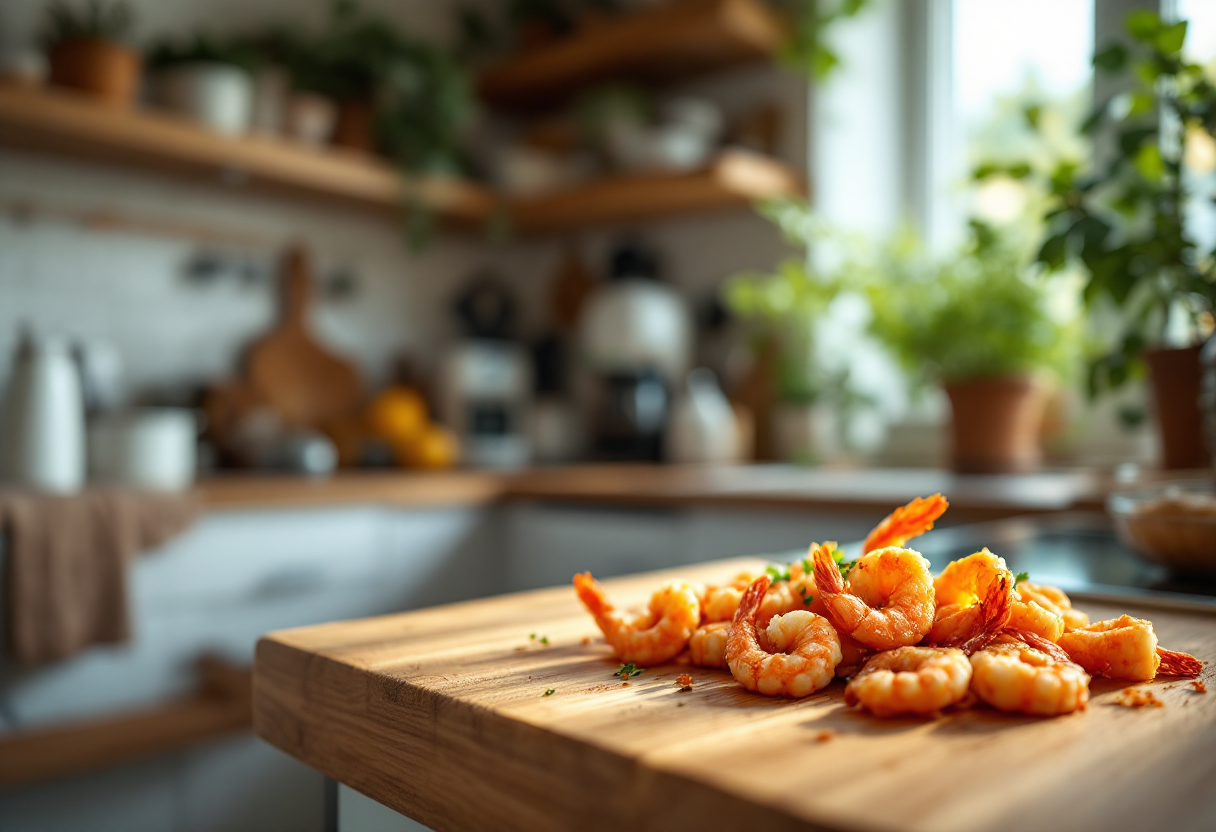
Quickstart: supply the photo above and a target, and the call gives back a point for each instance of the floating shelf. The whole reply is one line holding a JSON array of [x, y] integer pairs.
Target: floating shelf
[[667, 43], [735, 179], [65, 124]]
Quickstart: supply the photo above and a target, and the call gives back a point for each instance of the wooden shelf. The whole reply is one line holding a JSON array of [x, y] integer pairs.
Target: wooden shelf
[[65, 124], [221, 706], [667, 43], [735, 179]]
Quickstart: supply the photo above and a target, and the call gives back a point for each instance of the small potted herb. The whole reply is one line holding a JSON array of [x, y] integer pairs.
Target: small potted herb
[[783, 310], [1126, 223], [86, 51], [205, 79], [983, 326]]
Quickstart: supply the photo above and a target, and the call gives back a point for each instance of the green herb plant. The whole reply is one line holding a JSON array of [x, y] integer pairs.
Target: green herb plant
[[983, 313], [92, 20], [1124, 221]]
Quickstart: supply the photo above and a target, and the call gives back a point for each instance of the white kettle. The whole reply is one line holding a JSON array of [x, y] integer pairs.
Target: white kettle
[[42, 419]]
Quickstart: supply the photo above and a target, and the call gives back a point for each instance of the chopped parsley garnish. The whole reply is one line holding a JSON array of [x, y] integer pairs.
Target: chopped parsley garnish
[[549, 692], [1018, 578], [541, 639], [846, 566], [778, 573], [628, 670], [808, 568], [808, 599]]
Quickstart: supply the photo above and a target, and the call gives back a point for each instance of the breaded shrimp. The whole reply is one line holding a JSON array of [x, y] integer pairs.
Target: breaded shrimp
[[1016, 677], [888, 601], [974, 597], [1053, 599], [1126, 648], [653, 637], [910, 680], [905, 523], [707, 647], [802, 653], [1031, 616]]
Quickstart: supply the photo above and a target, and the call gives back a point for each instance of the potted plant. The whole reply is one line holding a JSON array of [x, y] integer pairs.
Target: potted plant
[[1126, 223], [982, 325], [206, 79], [85, 50], [783, 310]]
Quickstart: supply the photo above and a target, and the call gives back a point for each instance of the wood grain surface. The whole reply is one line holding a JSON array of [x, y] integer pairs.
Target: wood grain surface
[[441, 714], [782, 487]]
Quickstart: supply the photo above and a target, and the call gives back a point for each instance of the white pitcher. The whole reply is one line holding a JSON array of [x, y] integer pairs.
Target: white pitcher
[[42, 419]]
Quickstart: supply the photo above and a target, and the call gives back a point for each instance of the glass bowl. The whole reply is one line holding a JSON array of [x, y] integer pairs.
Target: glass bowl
[[1171, 523]]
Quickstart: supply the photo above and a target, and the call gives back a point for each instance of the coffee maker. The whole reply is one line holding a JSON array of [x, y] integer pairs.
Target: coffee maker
[[635, 340], [485, 380]]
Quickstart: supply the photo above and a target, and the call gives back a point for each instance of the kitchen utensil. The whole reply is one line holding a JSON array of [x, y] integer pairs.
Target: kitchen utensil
[[297, 377], [150, 448], [1171, 523], [42, 420], [702, 428]]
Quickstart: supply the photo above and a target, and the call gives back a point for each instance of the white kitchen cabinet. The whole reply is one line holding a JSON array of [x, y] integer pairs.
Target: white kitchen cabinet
[[549, 543]]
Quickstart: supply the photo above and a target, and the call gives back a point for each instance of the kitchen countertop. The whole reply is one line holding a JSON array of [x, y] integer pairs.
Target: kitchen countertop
[[972, 497], [442, 714]]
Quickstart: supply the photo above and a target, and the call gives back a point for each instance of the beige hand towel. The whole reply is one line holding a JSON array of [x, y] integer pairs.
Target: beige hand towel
[[66, 563]]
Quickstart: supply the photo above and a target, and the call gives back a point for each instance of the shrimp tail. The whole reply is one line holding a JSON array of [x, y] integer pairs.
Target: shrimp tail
[[592, 594], [749, 604], [1042, 644], [996, 608], [1178, 664], [905, 523], [827, 573]]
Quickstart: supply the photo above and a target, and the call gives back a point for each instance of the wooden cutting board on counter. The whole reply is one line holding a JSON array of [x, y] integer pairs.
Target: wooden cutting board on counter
[[294, 374], [442, 715]]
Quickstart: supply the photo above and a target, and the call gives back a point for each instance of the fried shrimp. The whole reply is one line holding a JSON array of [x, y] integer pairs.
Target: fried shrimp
[[718, 603], [974, 597], [1031, 616], [653, 637], [905, 523], [1126, 648], [1016, 677], [888, 601], [910, 680], [1055, 600], [799, 656], [707, 647]]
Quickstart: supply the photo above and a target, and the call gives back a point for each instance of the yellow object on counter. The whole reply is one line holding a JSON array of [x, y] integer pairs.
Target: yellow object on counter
[[437, 448], [398, 415]]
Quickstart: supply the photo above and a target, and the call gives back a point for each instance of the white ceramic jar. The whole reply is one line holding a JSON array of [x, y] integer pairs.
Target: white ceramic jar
[[42, 419], [217, 95], [151, 448]]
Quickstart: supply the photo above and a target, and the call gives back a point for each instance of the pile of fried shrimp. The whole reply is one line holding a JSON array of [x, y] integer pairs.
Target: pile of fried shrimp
[[908, 643]]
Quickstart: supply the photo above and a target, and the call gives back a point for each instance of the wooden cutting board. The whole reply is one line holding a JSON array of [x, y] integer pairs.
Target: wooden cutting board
[[441, 714], [291, 372]]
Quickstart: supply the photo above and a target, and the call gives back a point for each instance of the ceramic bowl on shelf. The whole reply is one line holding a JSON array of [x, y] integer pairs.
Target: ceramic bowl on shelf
[[1171, 523]]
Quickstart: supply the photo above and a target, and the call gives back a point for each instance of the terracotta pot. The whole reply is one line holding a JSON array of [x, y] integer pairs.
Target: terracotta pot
[[996, 424], [103, 69], [354, 127], [1175, 375]]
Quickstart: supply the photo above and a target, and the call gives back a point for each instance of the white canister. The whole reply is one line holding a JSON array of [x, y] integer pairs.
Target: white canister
[[217, 95], [42, 419], [702, 428], [151, 449]]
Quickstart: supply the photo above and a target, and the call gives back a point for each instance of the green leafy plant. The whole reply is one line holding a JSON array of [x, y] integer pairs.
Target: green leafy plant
[[92, 20], [784, 307], [808, 48], [202, 49], [1124, 221], [984, 313]]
